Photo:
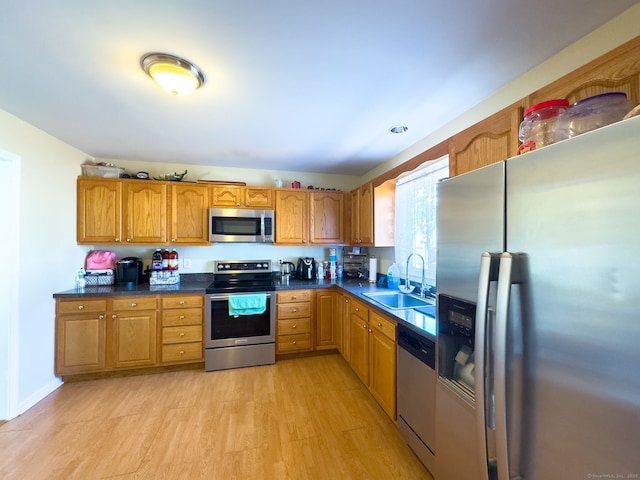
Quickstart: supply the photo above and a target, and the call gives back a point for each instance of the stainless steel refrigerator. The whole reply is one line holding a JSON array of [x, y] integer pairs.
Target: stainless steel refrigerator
[[547, 385]]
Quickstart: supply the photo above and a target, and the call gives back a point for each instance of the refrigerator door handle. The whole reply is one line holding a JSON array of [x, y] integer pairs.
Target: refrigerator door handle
[[509, 274], [489, 264]]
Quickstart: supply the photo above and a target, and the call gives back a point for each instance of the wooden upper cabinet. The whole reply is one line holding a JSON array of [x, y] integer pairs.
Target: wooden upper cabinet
[[189, 214], [292, 220], [99, 210], [326, 217], [615, 71], [145, 212], [234, 196], [361, 216], [492, 140]]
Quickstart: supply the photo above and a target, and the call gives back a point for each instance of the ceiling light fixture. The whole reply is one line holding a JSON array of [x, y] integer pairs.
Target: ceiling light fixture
[[175, 75], [399, 129]]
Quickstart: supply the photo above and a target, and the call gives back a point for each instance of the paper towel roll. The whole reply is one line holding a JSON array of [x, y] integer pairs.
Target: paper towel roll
[[373, 270]]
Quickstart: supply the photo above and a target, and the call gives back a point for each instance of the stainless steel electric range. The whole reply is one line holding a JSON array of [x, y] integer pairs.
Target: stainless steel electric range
[[240, 315]]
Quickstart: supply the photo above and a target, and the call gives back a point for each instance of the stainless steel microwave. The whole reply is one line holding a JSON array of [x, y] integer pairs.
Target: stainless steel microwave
[[241, 226]]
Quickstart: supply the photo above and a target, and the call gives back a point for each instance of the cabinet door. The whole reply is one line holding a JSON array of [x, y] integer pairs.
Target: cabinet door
[[325, 321], [291, 217], [134, 339], [365, 214], [99, 211], [80, 343], [255, 197], [145, 212], [338, 316], [489, 141], [226, 196], [346, 328], [382, 371], [326, 210], [354, 217], [359, 347], [189, 214]]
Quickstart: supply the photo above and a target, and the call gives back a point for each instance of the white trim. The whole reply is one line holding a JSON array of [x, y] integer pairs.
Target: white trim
[[10, 243], [39, 394]]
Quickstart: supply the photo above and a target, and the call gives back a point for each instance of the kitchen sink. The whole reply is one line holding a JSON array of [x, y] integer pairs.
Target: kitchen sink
[[397, 300]]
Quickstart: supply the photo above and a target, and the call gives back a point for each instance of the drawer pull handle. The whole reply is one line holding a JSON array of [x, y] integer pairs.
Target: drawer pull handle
[[294, 326], [182, 334], [134, 304], [294, 298], [181, 352], [80, 307], [181, 317], [295, 310], [294, 342], [181, 302]]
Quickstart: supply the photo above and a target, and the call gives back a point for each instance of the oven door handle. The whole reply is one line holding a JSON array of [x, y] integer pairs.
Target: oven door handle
[[225, 296]]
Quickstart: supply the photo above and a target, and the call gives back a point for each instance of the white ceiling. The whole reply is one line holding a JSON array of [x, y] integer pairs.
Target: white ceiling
[[293, 85]]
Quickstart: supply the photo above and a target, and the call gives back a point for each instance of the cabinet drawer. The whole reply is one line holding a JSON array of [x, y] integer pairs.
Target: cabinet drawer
[[294, 325], [81, 306], [293, 343], [360, 309], [140, 302], [289, 296], [182, 301], [384, 325], [188, 333], [186, 316], [294, 310], [182, 352]]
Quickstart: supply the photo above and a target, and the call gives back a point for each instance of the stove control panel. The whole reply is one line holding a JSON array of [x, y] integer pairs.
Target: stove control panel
[[242, 266]]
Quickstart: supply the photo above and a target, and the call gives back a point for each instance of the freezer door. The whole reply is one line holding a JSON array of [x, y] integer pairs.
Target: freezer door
[[573, 209], [470, 220]]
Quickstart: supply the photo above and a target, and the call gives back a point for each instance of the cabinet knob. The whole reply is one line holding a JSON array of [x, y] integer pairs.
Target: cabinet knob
[[181, 352], [181, 302], [100, 317], [181, 317], [364, 325], [117, 239], [129, 240], [182, 334], [114, 316], [294, 342], [173, 240], [294, 297], [295, 310], [134, 304], [369, 330], [357, 309], [295, 326], [80, 307], [379, 324]]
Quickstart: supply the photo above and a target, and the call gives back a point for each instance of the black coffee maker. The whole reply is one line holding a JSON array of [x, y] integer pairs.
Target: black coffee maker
[[306, 269], [129, 271]]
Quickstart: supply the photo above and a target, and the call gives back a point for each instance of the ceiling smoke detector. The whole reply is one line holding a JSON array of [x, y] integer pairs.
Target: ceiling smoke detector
[[175, 75], [399, 129]]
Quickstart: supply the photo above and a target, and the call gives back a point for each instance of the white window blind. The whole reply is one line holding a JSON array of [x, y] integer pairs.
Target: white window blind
[[415, 219]]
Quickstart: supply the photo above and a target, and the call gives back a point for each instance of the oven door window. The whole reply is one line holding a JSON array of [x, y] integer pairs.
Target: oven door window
[[224, 326]]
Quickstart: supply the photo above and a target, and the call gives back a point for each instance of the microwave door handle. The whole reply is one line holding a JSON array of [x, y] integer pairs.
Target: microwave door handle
[[488, 273], [262, 227]]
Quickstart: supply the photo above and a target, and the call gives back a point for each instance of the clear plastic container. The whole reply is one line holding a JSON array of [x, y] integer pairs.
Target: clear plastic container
[[543, 124], [598, 111]]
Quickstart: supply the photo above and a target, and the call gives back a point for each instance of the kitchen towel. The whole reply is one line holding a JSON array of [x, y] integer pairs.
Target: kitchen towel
[[252, 304]]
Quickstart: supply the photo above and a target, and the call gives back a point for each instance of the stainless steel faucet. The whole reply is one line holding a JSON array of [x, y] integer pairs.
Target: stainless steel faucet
[[423, 285]]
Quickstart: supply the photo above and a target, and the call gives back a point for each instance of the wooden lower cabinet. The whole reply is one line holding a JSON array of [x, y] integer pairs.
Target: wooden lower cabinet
[[326, 321], [372, 353], [182, 326], [293, 321], [102, 334]]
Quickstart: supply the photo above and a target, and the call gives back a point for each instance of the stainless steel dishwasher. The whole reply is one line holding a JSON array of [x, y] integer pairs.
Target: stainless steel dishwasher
[[417, 393]]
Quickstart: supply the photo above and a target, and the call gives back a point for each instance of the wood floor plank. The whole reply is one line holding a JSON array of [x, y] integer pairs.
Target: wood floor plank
[[302, 419]]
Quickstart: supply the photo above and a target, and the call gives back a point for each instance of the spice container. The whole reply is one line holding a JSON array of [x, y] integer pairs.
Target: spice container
[[598, 111], [543, 124]]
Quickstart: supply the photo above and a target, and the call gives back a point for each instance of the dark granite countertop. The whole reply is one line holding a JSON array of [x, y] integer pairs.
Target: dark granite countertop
[[197, 283]]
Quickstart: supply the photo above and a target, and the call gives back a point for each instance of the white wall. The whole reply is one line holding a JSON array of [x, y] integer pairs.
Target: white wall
[[48, 255]]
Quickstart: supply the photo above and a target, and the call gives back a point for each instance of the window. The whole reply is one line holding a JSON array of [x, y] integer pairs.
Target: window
[[415, 219]]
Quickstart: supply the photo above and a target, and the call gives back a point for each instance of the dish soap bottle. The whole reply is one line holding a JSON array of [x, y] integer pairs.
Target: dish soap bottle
[[393, 276]]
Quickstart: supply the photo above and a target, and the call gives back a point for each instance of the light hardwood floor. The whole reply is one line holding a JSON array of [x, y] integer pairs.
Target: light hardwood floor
[[306, 418]]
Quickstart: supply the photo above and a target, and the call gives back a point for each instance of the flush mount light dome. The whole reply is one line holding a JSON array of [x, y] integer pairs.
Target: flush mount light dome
[[175, 75], [399, 129]]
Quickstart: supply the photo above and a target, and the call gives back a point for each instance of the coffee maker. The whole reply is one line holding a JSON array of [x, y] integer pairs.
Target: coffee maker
[[129, 272]]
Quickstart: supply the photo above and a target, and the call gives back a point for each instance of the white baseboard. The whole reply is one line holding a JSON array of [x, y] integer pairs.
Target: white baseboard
[[38, 395]]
